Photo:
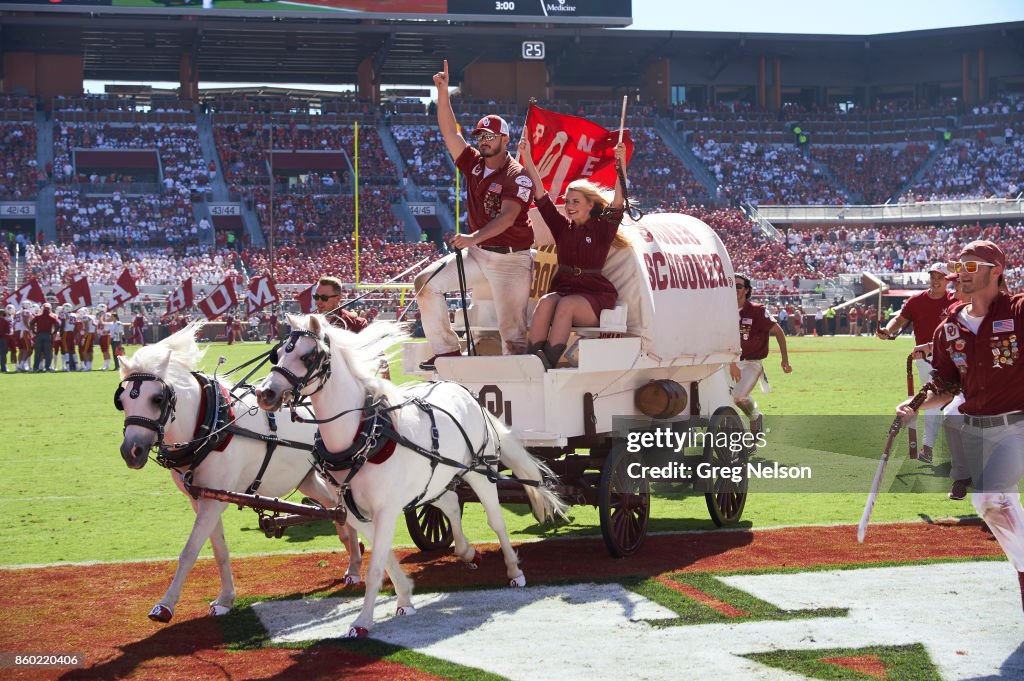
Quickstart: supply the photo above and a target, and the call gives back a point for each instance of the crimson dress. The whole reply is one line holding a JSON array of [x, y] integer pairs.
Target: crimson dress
[[585, 247]]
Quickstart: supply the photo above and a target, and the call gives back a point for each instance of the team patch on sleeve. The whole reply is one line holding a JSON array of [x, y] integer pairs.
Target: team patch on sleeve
[[524, 181], [524, 194]]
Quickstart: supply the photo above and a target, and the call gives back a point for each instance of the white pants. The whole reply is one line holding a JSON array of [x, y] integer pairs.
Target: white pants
[[505, 275], [996, 458], [932, 417], [751, 370], [952, 423]]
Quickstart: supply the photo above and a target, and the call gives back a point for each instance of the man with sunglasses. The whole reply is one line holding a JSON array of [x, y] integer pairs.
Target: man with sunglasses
[[497, 247], [977, 351], [926, 310], [756, 324], [327, 298]]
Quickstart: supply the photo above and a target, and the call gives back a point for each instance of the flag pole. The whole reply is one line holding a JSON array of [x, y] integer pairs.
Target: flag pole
[[622, 119]]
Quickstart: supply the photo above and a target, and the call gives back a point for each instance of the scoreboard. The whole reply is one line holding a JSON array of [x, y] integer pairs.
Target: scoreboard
[[583, 12]]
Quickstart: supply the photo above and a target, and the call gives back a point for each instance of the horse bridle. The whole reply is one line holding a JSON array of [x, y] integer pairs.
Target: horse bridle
[[167, 406], [317, 362]]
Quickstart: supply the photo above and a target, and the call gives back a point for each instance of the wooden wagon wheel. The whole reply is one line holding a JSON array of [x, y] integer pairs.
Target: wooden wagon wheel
[[725, 498], [624, 504], [429, 528]]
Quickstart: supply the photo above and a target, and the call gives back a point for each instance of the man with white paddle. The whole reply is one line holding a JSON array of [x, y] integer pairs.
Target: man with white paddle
[[977, 350]]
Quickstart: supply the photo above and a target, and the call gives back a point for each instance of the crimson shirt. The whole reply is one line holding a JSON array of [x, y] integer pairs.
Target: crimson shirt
[[987, 366], [926, 313], [585, 247], [45, 322], [755, 323], [343, 319], [485, 194]]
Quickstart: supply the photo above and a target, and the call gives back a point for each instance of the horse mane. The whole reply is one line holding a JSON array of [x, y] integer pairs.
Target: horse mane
[[173, 359], [363, 351]]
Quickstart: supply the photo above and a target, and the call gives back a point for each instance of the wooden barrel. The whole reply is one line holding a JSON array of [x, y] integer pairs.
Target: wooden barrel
[[660, 399]]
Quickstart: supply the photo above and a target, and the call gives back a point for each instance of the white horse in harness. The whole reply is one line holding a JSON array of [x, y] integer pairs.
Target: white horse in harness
[[402, 446], [214, 439]]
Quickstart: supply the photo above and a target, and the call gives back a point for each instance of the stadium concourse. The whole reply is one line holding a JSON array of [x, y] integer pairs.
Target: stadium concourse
[[135, 186]]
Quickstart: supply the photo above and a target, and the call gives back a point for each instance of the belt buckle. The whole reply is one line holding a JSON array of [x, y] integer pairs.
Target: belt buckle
[[577, 271]]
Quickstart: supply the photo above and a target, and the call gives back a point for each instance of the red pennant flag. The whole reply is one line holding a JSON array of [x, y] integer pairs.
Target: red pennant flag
[[220, 300], [262, 291], [305, 300], [181, 299], [77, 294], [124, 290], [30, 290], [567, 148]]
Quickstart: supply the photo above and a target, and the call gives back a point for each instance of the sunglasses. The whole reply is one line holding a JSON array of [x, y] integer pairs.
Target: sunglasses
[[485, 136], [317, 296], [739, 286], [971, 266]]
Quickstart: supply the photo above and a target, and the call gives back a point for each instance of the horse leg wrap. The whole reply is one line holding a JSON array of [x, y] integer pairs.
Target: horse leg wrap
[[357, 632], [517, 582], [405, 610]]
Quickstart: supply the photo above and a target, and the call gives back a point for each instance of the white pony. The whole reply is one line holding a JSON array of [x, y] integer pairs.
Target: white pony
[[165, 403], [433, 431]]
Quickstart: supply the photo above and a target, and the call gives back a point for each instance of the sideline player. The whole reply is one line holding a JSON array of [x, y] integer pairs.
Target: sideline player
[[69, 339], [103, 331], [498, 246], [756, 324], [925, 309], [977, 350]]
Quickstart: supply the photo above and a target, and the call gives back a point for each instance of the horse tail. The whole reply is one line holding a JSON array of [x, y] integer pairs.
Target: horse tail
[[545, 503]]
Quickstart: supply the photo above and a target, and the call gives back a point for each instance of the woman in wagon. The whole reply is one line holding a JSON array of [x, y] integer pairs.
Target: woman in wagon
[[583, 236]]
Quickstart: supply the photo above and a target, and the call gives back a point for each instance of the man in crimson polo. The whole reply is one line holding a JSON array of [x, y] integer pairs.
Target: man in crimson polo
[[44, 326], [327, 298], [925, 309], [497, 249], [756, 324], [977, 351]]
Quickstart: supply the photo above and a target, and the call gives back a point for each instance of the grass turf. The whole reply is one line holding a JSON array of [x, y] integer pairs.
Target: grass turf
[[68, 496]]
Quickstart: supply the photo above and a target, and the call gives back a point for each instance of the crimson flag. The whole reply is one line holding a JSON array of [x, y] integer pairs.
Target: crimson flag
[[30, 290], [567, 148], [181, 299], [261, 292], [220, 300], [124, 290], [77, 293], [305, 300]]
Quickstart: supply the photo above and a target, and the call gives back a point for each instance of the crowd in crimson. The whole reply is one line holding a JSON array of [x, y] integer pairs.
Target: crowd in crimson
[[19, 169], [155, 234]]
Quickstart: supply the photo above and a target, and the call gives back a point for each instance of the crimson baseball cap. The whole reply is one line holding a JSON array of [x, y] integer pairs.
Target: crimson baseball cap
[[985, 251], [493, 124]]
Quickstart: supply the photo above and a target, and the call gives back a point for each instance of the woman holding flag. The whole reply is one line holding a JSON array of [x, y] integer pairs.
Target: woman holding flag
[[584, 235]]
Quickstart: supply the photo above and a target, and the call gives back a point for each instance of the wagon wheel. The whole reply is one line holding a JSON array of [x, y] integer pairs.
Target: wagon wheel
[[429, 528], [624, 504], [725, 498]]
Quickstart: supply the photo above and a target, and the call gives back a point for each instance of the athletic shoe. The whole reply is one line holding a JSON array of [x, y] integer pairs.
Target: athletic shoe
[[925, 455], [958, 492], [428, 365]]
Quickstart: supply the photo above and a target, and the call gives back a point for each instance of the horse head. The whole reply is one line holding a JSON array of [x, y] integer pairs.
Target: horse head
[[146, 392], [299, 362]]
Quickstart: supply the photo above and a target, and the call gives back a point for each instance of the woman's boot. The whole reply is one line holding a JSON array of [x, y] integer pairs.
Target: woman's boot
[[538, 349], [554, 353]]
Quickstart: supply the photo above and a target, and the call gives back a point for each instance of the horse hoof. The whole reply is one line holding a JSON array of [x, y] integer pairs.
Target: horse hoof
[[517, 582], [351, 580], [161, 613], [404, 610], [474, 562], [218, 610], [357, 632]]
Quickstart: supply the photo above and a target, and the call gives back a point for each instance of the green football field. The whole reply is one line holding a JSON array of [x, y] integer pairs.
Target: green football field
[[67, 496]]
